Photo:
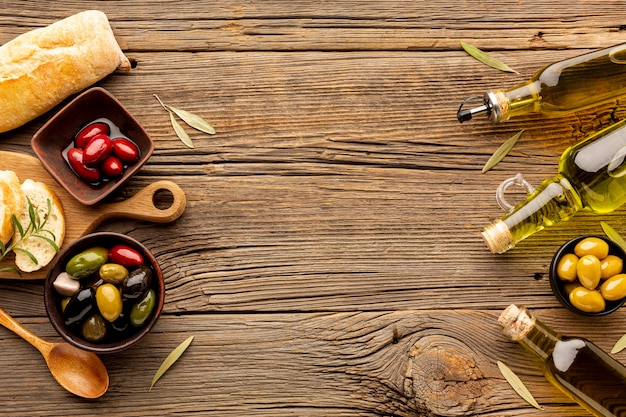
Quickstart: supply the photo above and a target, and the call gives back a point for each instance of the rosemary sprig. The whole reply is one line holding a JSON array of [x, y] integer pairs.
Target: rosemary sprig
[[34, 229]]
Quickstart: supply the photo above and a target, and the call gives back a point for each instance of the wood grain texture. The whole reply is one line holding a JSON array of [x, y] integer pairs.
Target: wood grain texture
[[329, 261]]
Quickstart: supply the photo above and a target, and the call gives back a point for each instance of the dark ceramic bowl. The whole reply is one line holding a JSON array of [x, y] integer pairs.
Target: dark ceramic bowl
[[558, 285], [113, 341], [52, 141]]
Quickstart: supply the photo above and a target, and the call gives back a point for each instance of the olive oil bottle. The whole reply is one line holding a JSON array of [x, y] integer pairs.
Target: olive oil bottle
[[582, 370], [591, 176], [558, 89]]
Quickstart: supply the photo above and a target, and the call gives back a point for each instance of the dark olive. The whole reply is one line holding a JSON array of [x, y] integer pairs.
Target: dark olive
[[80, 306], [136, 283], [94, 328]]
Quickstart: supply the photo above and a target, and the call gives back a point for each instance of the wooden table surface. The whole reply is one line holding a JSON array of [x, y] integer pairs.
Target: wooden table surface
[[329, 261]]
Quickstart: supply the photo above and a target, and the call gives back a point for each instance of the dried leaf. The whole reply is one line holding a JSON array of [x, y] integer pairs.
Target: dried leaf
[[193, 120], [486, 59], [182, 135], [518, 385], [613, 235], [502, 151], [170, 360], [619, 345]]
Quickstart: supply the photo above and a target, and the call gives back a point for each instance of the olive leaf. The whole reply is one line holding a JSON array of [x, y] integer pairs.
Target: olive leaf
[[502, 151], [486, 59], [518, 385], [188, 117], [170, 360], [613, 235], [619, 345]]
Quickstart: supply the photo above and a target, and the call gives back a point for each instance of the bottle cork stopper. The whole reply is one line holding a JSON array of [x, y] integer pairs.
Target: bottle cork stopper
[[498, 237], [516, 322]]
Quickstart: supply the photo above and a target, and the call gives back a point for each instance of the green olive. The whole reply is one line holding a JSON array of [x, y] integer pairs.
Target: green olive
[[94, 328], [142, 310], [566, 268], [611, 265], [614, 288], [589, 301], [588, 271], [109, 301], [87, 262], [592, 246], [113, 273]]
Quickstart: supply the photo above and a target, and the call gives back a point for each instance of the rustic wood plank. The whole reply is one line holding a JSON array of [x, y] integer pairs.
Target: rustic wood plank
[[367, 364]]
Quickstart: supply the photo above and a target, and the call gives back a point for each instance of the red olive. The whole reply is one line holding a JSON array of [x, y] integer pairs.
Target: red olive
[[126, 150], [75, 159], [97, 149], [111, 167], [126, 256], [88, 132]]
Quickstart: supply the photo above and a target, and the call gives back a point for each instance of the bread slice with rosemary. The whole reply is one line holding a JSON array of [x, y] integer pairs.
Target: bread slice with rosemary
[[11, 202], [42, 219]]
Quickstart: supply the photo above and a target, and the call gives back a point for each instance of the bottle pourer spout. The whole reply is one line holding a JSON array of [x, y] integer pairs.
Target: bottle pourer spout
[[465, 115]]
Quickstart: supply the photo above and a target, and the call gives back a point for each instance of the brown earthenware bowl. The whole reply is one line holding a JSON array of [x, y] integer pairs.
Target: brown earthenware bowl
[[114, 341], [52, 141]]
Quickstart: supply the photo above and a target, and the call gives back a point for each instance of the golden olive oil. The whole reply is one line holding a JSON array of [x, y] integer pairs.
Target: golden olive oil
[[579, 368], [561, 88], [591, 176]]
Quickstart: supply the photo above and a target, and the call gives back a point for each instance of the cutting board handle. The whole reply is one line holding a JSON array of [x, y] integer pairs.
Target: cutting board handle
[[141, 206]]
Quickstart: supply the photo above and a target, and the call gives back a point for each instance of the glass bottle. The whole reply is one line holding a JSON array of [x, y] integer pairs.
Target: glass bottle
[[591, 177], [582, 370], [560, 88]]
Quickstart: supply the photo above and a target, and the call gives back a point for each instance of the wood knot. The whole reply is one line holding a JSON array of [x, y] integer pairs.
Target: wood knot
[[442, 378]]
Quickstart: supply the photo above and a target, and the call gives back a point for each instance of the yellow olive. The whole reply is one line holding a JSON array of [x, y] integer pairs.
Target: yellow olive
[[588, 271], [611, 265], [568, 287], [589, 301], [614, 288], [566, 268], [109, 301], [592, 246]]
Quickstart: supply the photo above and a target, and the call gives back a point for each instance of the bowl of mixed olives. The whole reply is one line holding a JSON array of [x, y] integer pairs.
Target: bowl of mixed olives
[[587, 275], [92, 146], [104, 292]]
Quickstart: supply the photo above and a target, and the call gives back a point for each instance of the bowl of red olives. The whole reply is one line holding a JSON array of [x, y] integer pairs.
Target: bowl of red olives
[[104, 292], [587, 275], [92, 146]]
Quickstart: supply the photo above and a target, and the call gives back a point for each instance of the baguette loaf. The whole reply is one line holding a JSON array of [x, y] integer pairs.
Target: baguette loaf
[[41, 68], [11, 202], [39, 194]]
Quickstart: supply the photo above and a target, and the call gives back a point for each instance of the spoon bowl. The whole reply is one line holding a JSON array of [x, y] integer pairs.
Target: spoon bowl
[[80, 372]]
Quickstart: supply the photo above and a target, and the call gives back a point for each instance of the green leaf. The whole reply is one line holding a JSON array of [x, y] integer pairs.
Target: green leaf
[[502, 151], [619, 345], [27, 253], [518, 385], [193, 120], [486, 59], [613, 235], [180, 132], [170, 360]]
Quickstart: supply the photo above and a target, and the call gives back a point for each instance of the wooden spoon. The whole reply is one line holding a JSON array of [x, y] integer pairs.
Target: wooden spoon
[[80, 372]]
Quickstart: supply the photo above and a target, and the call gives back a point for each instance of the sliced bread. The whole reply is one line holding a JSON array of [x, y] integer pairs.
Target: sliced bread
[[11, 202], [39, 194]]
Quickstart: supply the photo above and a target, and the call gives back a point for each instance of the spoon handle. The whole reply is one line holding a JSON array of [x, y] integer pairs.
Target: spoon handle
[[10, 323]]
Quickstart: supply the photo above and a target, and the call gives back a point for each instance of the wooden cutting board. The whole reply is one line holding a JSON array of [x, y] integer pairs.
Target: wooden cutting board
[[81, 219]]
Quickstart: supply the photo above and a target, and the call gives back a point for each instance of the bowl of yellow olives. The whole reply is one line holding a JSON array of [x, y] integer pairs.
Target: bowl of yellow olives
[[587, 275], [104, 292]]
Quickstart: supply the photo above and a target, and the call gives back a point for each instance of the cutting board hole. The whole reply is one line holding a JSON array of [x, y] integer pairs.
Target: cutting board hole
[[163, 199]]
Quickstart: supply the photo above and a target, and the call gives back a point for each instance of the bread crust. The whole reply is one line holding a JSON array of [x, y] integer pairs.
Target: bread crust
[[12, 200], [41, 68]]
